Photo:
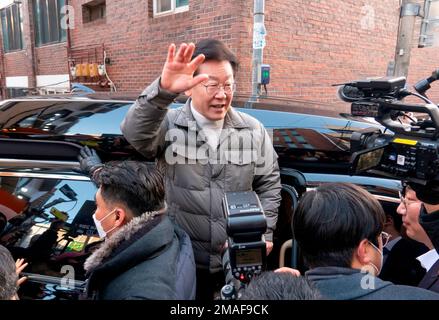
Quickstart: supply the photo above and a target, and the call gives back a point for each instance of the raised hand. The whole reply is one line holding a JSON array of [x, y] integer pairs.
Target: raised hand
[[178, 72], [20, 264]]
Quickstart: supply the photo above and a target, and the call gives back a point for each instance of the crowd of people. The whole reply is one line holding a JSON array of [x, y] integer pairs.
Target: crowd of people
[[163, 226]]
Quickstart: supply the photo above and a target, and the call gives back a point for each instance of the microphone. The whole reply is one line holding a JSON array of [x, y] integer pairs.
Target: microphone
[[349, 93], [422, 86]]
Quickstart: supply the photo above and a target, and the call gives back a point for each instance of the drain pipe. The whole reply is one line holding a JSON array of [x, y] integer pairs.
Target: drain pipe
[[258, 48]]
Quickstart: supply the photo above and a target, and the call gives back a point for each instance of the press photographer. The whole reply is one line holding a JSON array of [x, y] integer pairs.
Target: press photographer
[[410, 154]]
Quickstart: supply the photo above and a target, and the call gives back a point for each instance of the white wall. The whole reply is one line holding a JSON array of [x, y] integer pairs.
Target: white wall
[[53, 81], [17, 82], [5, 3]]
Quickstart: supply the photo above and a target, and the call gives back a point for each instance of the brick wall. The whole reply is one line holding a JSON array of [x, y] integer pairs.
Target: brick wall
[[313, 44], [323, 43], [310, 44], [20, 63], [423, 60], [16, 64], [137, 43], [52, 59]]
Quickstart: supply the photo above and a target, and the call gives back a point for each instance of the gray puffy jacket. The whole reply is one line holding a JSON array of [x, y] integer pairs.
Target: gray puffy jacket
[[195, 178]]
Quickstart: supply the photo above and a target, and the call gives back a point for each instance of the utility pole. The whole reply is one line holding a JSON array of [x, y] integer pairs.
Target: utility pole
[[409, 12], [258, 45]]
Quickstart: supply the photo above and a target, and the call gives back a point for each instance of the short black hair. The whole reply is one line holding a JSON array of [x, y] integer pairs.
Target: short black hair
[[428, 193], [3, 222], [390, 209], [8, 276], [332, 220], [214, 49], [136, 184], [279, 286]]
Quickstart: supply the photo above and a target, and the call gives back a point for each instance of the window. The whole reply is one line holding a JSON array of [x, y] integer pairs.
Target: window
[[50, 224], [93, 10], [170, 6], [12, 28], [48, 22], [430, 25], [17, 92]]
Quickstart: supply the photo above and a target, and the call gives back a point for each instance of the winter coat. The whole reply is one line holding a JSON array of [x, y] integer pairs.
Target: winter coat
[[430, 223], [431, 279], [336, 283], [148, 258], [401, 266], [195, 183]]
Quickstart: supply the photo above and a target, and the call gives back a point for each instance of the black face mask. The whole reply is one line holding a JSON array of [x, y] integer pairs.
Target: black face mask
[[430, 223]]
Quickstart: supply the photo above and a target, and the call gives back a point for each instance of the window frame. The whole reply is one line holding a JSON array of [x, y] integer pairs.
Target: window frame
[[427, 36], [91, 5], [44, 24], [173, 10], [75, 287], [5, 23]]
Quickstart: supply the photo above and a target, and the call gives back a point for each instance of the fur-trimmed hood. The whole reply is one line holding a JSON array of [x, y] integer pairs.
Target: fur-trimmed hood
[[117, 238]]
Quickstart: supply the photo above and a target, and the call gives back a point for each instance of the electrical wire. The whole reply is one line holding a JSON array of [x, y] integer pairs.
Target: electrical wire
[[111, 83], [50, 85], [76, 202], [422, 97]]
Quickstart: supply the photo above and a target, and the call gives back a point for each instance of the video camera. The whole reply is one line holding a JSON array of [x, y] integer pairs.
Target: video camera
[[412, 151], [246, 252]]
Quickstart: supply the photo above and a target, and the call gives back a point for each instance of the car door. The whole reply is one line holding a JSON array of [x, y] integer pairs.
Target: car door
[[48, 206]]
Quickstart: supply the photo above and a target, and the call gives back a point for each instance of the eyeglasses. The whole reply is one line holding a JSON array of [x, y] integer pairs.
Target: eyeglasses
[[213, 89], [385, 238], [406, 202]]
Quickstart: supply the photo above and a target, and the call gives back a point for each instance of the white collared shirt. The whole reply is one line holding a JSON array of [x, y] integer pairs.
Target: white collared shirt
[[428, 259]]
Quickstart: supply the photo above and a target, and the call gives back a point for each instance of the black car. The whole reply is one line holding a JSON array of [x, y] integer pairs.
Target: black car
[[42, 191]]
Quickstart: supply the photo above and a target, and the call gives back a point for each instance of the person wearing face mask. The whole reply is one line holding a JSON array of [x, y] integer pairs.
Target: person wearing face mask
[[339, 230], [143, 255]]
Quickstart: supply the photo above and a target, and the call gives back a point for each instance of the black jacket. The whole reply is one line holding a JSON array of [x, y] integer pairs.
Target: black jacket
[[401, 266], [145, 259], [431, 279], [430, 223], [336, 283]]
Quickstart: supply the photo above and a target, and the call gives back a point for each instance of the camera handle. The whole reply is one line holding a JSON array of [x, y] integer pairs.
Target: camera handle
[[232, 291], [385, 118]]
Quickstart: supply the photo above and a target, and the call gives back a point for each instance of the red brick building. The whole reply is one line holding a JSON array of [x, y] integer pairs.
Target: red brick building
[[309, 44]]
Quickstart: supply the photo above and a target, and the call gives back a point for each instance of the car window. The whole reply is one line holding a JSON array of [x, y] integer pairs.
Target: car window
[[49, 223], [108, 119]]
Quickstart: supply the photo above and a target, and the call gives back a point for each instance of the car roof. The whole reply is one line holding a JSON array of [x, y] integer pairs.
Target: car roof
[[300, 139], [285, 104]]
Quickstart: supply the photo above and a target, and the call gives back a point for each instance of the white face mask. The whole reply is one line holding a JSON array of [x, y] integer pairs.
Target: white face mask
[[378, 270], [102, 233]]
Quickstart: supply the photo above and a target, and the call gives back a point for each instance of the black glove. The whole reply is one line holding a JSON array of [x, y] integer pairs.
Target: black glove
[[89, 160]]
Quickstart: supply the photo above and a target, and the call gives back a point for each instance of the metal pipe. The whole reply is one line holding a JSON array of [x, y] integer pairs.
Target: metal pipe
[[258, 52]]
